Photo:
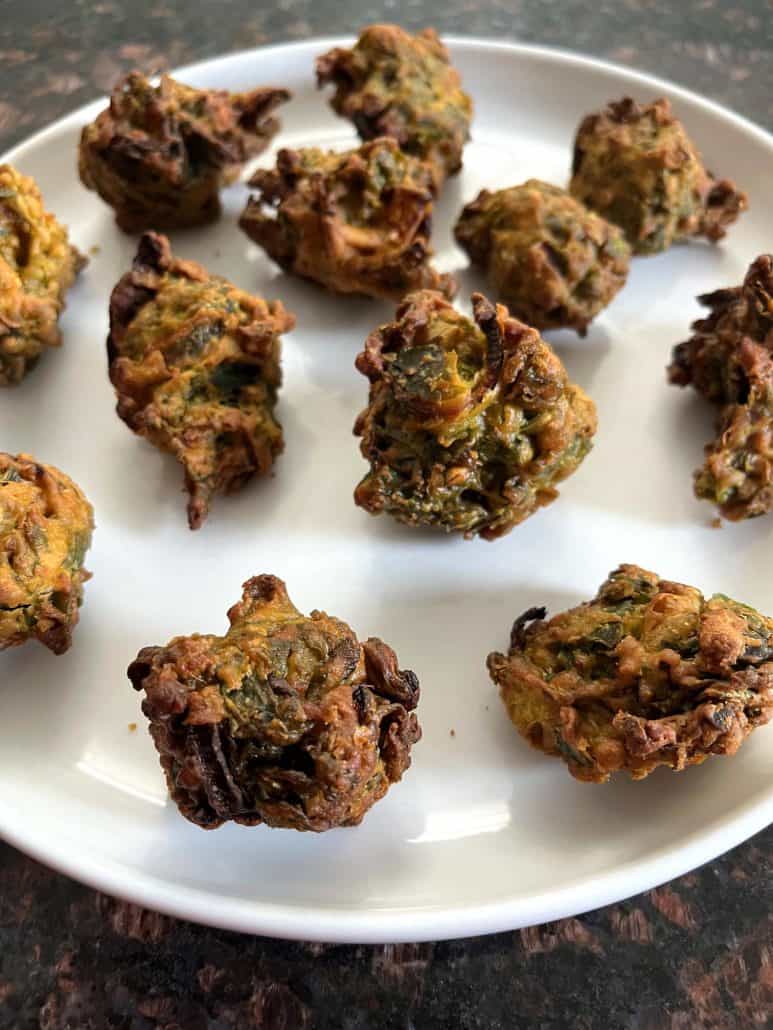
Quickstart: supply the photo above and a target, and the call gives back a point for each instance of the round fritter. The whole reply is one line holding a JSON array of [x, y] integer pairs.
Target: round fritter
[[37, 267], [287, 720], [648, 673], [356, 222], [470, 424], [45, 531], [159, 154], [550, 259], [728, 361], [195, 363], [638, 168], [394, 84]]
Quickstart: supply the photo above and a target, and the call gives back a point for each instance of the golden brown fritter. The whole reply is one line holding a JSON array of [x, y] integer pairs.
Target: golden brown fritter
[[648, 673], [728, 361], [737, 474], [159, 154], [638, 168], [710, 360], [356, 222], [394, 84], [470, 424], [551, 260], [195, 363], [45, 531], [287, 720], [37, 267]]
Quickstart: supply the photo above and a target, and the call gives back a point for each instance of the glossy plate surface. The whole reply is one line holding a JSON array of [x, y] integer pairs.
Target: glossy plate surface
[[483, 834]]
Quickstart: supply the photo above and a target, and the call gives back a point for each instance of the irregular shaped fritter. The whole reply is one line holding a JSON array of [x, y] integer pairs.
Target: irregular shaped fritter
[[45, 531], [287, 720], [648, 673], [737, 474], [550, 259], [195, 363], [638, 168], [37, 267], [470, 424], [357, 222], [394, 84], [710, 359], [159, 154], [728, 361]]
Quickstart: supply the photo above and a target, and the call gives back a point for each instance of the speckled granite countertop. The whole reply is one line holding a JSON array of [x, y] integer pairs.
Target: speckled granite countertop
[[697, 953]]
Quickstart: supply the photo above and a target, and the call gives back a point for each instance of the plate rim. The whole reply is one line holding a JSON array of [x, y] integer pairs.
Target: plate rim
[[422, 923], [397, 925]]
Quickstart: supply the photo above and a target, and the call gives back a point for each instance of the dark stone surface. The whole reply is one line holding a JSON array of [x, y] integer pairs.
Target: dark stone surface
[[695, 954], [55, 56]]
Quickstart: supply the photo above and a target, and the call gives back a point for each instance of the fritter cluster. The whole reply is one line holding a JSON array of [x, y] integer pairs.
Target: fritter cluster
[[648, 673], [287, 720], [470, 424], [45, 531], [159, 154], [394, 84], [195, 363], [37, 267], [638, 168], [356, 222], [550, 259], [728, 361]]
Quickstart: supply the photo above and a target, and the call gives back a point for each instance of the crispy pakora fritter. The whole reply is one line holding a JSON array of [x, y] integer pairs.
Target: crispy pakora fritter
[[356, 222], [728, 361], [649, 673], [638, 168], [159, 154], [45, 531], [195, 363], [287, 720], [394, 84], [470, 424], [37, 267], [737, 474], [550, 259], [710, 359]]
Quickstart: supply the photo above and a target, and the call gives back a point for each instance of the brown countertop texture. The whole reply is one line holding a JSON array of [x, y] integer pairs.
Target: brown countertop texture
[[697, 953]]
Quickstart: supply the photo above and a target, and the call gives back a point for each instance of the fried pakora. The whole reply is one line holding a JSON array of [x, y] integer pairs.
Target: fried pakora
[[37, 267], [45, 531], [551, 260], [728, 361], [649, 673], [159, 154], [638, 168], [710, 359], [195, 363], [286, 720], [737, 474], [394, 84], [356, 222], [470, 424]]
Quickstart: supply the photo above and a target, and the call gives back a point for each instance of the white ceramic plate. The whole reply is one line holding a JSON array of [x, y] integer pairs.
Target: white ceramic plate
[[483, 834]]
